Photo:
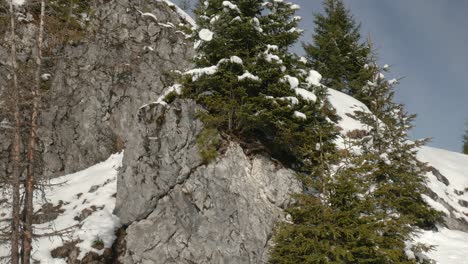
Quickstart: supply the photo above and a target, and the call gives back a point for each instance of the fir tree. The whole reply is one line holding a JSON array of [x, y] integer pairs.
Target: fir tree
[[400, 178], [253, 89], [344, 223], [336, 51], [370, 203]]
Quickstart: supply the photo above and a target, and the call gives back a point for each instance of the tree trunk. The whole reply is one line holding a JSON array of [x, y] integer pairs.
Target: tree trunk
[[29, 184], [16, 149]]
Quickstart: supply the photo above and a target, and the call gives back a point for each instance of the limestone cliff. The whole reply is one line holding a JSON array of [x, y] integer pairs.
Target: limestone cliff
[[98, 83], [182, 211]]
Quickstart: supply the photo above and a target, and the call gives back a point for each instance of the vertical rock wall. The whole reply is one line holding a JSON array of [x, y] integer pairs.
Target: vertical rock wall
[[97, 84], [180, 211]]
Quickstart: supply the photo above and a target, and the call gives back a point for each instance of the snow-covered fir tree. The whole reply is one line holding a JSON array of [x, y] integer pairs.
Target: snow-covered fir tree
[[252, 87], [400, 179]]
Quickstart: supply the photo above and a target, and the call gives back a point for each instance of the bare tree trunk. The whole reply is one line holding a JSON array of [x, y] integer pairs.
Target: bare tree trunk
[[29, 184], [16, 149]]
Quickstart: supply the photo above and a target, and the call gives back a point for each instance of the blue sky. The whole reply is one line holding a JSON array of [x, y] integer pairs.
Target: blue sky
[[426, 42]]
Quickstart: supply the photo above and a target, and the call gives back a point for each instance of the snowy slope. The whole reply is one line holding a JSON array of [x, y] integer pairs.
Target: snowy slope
[[86, 201], [454, 167], [345, 106], [452, 198]]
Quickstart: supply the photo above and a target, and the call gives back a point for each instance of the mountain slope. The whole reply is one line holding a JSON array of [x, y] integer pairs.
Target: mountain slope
[[87, 199], [80, 205]]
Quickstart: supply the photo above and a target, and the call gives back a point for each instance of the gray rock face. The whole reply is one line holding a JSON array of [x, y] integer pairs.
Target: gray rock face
[[163, 155], [181, 211], [124, 60]]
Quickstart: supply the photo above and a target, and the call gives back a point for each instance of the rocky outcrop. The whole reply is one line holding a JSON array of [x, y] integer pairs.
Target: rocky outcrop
[[123, 60], [179, 210]]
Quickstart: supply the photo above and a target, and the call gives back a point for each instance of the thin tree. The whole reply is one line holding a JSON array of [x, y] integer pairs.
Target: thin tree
[[30, 182], [16, 148], [465, 142]]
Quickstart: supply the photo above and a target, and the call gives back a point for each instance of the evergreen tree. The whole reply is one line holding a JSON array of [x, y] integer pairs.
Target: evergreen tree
[[345, 223], [372, 199], [253, 89], [336, 51], [400, 177]]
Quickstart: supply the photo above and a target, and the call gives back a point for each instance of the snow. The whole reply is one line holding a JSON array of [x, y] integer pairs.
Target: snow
[[231, 6], [205, 35], [293, 81], [454, 166], [237, 18], [345, 106], [257, 25], [300, 115], [271, 48], [248, 75], [295, 7], [167, 25], [94, 187], [214, 19], [18, 2], [307, 95], [297, 18], [177, 88], [409, 253], [451, 245], [452, 163], [198, 72], [435, 205], [271, 57], [303, 60], [314, 78], [235, 59], [46, 76], [148, 15], [371, 84], [181, 13], [295, 30], [293, 100], [232, 59], [197, 44]]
